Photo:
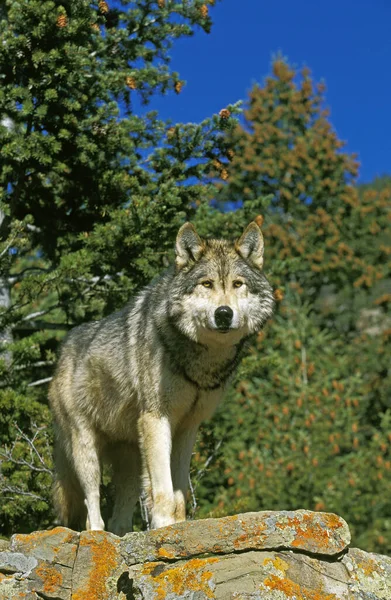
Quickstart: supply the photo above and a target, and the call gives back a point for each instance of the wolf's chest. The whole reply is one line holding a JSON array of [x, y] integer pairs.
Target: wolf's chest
[[207, 373], [189, 404]]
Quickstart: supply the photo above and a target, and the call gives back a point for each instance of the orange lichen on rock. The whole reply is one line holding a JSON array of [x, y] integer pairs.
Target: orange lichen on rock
[[186, 577], [185, 539], [294, 590], [229, 519], [104, 559], [224, 524], [307, 530], [163, 553], [51, 578], [32, 540], [250, 532], [369, 567], [277, 562]]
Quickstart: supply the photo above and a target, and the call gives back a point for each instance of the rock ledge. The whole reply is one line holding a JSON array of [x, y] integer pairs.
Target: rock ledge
[[299, 555]]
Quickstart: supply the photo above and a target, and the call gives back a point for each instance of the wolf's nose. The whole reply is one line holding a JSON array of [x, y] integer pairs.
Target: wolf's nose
[[223, 317]]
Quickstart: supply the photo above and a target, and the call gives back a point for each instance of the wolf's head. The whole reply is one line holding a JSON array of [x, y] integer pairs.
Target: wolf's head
[[219, 293]]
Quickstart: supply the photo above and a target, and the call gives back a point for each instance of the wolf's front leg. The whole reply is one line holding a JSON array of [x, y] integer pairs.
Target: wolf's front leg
[[180, 464], [155, 444]]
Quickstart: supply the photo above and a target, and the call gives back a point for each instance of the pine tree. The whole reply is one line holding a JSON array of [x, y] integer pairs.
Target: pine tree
[[287, 147], [92, 194]]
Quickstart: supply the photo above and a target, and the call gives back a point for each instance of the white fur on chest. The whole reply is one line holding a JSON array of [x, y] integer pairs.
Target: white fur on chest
[[202, 406]]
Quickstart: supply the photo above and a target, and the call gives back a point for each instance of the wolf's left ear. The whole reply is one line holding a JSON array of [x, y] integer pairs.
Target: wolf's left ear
[[189, 245], [250, 245]]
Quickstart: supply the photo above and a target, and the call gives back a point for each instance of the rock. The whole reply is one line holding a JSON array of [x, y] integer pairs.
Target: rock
[[98, 567], [370, 574], [321, 533], [15, 562], [297, 555], [54, 552]]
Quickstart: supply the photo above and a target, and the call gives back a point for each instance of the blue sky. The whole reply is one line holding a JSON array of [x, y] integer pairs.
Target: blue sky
[[347, 43]]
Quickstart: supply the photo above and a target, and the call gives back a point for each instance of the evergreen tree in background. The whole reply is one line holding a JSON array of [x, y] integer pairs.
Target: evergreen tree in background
[[92, 194], [286, 146]]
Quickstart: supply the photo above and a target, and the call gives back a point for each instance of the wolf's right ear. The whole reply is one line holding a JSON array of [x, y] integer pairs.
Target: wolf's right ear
[[189, 245], [250, 245]]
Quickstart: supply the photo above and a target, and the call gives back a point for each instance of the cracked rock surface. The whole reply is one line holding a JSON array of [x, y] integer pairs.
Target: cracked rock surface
[[298, 555]]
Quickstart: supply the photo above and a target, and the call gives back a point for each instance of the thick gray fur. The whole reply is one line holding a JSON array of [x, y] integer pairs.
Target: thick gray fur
[[134, 387]]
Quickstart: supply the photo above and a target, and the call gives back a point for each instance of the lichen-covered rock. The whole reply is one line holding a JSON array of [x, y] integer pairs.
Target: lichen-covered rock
[[277, 555], [51, 555], [370, 574], [320, 533], [98, 566], [273, 575]]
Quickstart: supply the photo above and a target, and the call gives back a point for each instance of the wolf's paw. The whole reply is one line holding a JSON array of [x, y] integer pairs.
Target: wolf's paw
[[120, 528], [97, 525], [162, 521], [180, 506]]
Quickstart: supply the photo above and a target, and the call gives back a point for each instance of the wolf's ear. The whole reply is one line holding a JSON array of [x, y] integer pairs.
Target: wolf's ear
[[250, 245], [189, 245]]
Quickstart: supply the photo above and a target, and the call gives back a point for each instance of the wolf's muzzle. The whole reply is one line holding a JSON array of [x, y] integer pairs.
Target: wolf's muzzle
[[223, 317]]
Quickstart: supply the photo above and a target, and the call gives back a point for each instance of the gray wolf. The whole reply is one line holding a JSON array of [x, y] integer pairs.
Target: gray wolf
[[133, 388]]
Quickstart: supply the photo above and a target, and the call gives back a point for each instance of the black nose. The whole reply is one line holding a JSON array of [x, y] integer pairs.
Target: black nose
[[223, 317]]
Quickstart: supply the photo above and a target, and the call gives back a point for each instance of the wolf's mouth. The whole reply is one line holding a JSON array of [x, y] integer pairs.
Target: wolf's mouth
[[220, 329]]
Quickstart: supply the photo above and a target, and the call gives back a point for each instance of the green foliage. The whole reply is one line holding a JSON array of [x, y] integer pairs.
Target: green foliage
[[26, 462]]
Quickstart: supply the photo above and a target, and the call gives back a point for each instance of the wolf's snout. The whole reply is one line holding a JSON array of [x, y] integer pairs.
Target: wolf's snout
[[223, 317]]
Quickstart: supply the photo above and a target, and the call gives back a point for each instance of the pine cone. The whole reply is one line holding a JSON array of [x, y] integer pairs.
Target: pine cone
[[224, 175], [178, 87], [103, 6], [95, 26], [62, 21], [131, 83], [204, 11], [161, 3], [259, 220], [224, 113]]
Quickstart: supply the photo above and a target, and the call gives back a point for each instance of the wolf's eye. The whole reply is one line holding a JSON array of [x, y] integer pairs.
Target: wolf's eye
[[237, 283], [207, 284]]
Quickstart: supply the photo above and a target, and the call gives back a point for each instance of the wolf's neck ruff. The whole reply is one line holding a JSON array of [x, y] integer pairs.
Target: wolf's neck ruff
[[206, 368]]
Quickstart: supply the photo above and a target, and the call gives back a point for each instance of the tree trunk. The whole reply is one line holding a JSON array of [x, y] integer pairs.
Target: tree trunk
[[5, 303]]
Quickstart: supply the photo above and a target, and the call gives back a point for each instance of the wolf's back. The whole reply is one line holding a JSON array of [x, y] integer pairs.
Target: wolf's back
[[73, 349], [95, 363], [98, 337]]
